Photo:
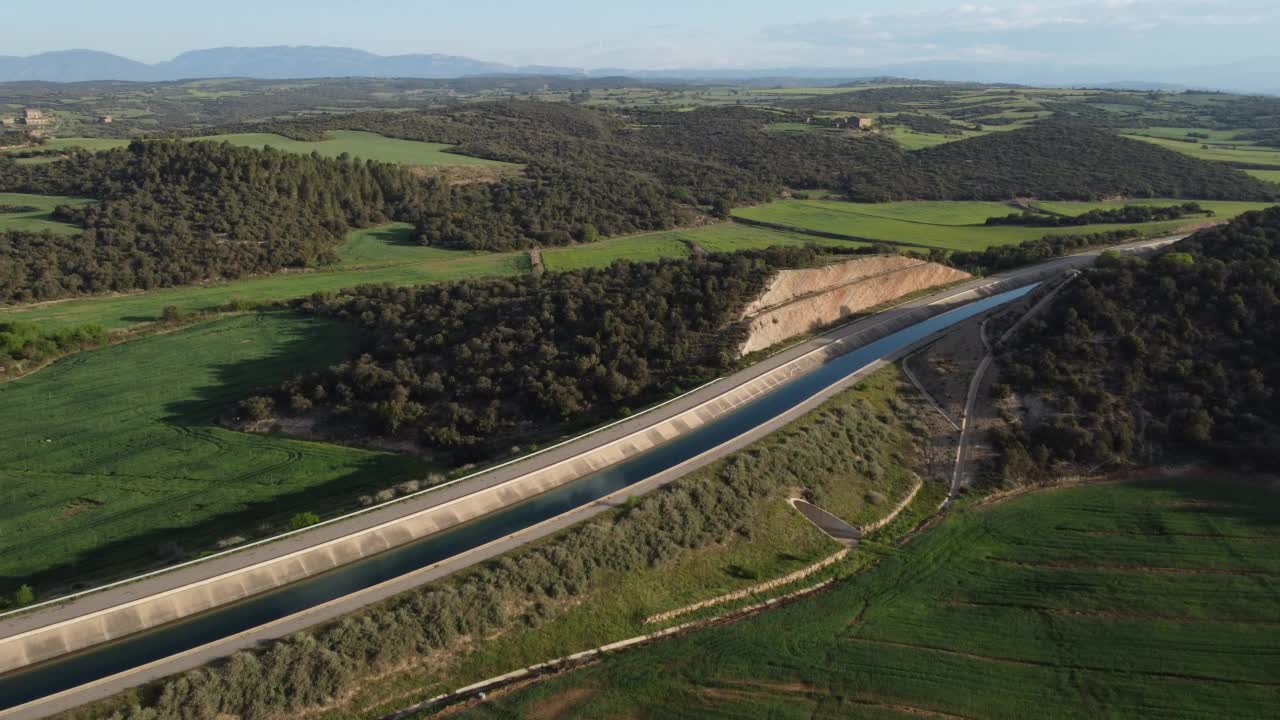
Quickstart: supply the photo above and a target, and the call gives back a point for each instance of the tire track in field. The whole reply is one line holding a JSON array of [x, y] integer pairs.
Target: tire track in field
[[1179, 677], [1112, 615], [1127, 568]]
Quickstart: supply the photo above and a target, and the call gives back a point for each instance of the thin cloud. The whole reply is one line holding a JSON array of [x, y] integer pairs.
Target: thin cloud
[[1006, 19]]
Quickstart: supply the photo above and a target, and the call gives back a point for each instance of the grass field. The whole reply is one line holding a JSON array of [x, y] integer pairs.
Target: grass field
[[387, 254], [1244, 153], [107, 456], [914, 140], [1151, 599], [93, 144], [125, 310], [393, 244], [1268, 175], [947, 225], [365, 145], [731, 237], [38, 220]]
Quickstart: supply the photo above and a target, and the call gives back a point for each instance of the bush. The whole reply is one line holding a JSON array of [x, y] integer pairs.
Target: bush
[[302, 520], [24, 596], [257, 407]]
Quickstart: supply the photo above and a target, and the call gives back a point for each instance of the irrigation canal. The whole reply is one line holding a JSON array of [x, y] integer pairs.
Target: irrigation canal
[[64, 673]]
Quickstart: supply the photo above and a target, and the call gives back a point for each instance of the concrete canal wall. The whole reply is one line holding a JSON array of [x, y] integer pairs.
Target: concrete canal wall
[[144, 613]]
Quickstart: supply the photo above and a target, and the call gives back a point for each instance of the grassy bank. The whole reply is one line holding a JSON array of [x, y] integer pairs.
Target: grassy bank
[[1128, 600], [719, 529], [111, 460]]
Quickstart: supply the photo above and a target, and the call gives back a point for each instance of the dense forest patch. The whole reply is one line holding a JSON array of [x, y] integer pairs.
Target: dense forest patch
[[469, 367], [1150, 359], [174, 213], [1050, 162]]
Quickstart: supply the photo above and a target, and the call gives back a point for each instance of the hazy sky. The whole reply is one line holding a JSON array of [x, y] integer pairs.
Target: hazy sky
[[670, 33]]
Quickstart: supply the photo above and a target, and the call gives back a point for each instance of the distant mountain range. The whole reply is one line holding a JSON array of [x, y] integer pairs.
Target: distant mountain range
[[1258, 75]]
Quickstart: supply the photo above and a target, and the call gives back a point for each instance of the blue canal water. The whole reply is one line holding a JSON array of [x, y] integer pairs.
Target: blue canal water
[[26, 685]]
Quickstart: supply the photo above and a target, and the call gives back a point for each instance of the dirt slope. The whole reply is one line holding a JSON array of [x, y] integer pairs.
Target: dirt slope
[[802, 301]]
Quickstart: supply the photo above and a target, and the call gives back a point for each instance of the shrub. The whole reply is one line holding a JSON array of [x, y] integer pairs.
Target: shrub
[[257, 407], [302, 520]]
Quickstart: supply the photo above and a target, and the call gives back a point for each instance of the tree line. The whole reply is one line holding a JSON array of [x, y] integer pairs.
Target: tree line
[[1170, 357], [1128, 214]]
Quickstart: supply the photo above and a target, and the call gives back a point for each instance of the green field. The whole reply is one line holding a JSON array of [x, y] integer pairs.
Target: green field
[[386, 254], [732, 237], [1139, 600], [637, 248], [93, 144], [365, 145], [947, 225], [393, 244], [1223, 209], [127, 310], [1268, 175], [107, 456], [914, 140], [1242, 152], [38, 220]]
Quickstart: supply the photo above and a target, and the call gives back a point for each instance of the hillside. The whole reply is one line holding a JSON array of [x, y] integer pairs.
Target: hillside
[[1162, 359], [1051, 162], [174, 213], [469, 368]]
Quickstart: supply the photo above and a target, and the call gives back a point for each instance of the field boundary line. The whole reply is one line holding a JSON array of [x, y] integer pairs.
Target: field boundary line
[[566, 662]]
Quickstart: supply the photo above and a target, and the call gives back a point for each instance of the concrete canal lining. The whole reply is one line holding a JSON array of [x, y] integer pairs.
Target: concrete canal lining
[[49, 641]]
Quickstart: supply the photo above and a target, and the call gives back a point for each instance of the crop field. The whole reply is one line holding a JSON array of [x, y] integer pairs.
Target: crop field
[[1268, 175], [1146, 599], [947, 225], [392, 244], [1182, 134], [85, 143], [108, 456], [732, 237], [364, 145], [120, 311], [40, 219], [1241, 152], [915, 140], [1223, 209], [638, 248]]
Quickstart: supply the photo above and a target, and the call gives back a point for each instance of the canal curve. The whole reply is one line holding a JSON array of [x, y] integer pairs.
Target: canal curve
[[62, 674]]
